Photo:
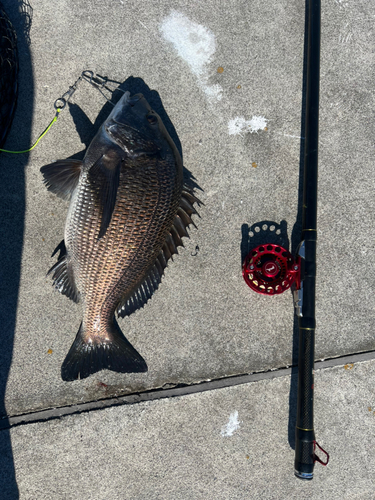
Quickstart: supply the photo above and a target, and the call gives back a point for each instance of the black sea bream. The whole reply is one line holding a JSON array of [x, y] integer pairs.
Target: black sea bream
[[128, 211]]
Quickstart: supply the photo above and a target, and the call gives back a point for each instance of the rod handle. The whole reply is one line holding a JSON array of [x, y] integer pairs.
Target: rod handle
[[304, 453]]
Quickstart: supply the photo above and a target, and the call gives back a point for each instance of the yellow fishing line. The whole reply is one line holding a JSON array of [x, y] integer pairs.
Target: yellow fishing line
[[40, 137]]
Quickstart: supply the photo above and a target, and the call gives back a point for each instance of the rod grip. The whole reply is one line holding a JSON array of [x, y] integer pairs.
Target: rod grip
[[304, 454], [305, 438]]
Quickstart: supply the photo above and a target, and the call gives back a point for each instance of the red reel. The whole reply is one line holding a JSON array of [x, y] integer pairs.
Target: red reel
[[270, 269]]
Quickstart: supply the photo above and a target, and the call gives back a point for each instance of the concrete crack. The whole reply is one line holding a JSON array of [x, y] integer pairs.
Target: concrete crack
[[177, 391]]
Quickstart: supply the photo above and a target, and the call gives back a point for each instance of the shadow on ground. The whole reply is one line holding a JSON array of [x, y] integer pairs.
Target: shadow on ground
[[12, 214], [295, 240], [270, 232]]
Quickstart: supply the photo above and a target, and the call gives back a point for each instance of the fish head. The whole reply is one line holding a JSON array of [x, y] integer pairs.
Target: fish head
[[137, 128]]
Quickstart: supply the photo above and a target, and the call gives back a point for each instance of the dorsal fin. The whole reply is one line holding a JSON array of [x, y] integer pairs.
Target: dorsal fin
[[151, 283], [62, 177], [63, 279]]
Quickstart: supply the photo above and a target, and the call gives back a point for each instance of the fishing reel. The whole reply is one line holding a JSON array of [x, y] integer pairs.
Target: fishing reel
[[270, 269]]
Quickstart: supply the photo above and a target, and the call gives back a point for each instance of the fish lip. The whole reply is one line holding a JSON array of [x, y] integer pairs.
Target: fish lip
[[123, 101], [128, 108], [132, 100], [120, 111]]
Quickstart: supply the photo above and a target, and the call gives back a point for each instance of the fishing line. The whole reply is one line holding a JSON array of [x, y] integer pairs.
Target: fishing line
[[39, 138], [97, 81]]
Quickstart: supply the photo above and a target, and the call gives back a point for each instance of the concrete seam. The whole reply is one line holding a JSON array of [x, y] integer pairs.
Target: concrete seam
[[185, 390]]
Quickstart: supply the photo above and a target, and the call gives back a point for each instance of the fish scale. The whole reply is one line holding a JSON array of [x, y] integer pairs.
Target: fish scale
[[122, 257], [128, 212]]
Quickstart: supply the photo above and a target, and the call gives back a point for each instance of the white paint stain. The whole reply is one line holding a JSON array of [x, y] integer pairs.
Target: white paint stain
[[196, 45], [239, 124], [232, 425]]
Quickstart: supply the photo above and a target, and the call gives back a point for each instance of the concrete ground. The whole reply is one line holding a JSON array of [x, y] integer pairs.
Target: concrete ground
[[227, 79], [223, 444]]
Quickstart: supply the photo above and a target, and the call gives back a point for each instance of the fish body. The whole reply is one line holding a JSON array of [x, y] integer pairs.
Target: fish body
[[128, 211]]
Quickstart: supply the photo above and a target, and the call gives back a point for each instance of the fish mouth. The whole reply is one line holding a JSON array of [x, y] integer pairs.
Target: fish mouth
[[130, 111], [132, 101], [140, 108]]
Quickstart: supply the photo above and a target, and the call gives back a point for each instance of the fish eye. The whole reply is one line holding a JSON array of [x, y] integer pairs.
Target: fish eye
[[152, 119]]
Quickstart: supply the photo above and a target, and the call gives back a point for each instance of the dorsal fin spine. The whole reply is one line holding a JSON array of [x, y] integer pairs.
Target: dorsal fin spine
[[178, 230]]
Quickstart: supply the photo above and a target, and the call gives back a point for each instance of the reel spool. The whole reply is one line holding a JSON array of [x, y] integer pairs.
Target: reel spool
[[270, 269]]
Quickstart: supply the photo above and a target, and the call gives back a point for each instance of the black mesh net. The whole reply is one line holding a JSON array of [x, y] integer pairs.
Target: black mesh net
[[8, 73]]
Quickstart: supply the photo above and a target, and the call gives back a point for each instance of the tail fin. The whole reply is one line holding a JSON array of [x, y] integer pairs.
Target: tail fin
[[117, 355]]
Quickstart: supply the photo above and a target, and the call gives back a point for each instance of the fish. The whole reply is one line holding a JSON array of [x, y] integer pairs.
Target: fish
[[129, 210]]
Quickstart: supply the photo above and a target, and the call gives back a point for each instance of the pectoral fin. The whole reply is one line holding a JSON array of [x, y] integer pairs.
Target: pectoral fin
[[104, 176], [62, 177]]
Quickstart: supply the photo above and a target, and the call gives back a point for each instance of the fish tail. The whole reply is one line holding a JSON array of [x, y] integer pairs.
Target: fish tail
[[116, 354]]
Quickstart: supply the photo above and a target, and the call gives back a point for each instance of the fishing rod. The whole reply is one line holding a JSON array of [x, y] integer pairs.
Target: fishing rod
[[270, 269], [305, 456]]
